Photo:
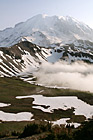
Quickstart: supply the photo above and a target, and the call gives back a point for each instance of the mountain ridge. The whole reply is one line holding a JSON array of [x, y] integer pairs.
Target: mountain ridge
[[25, 57]]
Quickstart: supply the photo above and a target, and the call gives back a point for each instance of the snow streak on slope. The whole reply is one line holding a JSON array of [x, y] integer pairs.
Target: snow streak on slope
[[25, 58], [45, 30], [4, 105], [21, 59]]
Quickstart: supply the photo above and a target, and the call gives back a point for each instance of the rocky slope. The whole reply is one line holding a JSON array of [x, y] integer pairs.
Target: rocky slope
[[21, 58], [25, 57]]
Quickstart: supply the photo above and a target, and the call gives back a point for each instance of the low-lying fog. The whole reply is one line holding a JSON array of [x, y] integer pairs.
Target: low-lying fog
[[77, 75]]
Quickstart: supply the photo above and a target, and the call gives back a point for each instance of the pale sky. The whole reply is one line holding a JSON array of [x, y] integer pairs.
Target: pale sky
[[15, 11]]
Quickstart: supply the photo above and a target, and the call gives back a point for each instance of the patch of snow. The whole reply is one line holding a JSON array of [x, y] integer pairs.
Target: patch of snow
[[23, 116], [18, 60], [63, 121], [4, 105], [42, 59], [52, 86], [56, 87], [43, 109], [1, 60], [61, 102], [30, 62], [15, 61], [79, 58], [75, 124], [20, 49], [1, 54], [45, 52], [4, 74], [7, 70], [31, 82], [60, 121], [40, 91], [9, 56], [16, 69], [55, 56], [28, 79]]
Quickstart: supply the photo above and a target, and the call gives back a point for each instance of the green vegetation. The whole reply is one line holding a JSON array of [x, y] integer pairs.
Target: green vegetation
[[83, 133], [30, 130], [12, 87], [12, 128], [33, 129], [57, 137], [17, 57], [19, 87]]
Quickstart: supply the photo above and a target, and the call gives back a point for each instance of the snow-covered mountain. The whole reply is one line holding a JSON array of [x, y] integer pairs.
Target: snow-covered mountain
[[60, 38], [44, 31], [25, 57]]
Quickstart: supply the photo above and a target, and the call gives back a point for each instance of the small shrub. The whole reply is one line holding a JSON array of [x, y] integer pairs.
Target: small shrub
[[85, 133], [22, 61], [5, 134], [29, 130], [33, 129], [17, 57], [63, 137], [49, 137], [14, 133]]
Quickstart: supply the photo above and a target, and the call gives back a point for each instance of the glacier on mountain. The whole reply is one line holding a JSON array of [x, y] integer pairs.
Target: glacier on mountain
[[45, 30]]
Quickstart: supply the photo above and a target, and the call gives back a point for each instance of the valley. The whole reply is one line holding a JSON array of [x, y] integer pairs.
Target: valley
[[46, 76]]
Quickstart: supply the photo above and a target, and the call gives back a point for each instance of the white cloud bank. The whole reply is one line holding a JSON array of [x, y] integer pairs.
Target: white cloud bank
[[77, 75]]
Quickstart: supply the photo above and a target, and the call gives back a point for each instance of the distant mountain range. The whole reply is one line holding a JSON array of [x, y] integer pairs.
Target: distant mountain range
[[45, 31]]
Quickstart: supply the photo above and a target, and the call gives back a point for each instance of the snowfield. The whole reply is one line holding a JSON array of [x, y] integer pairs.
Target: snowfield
[[63, 121], [61, 102], [22, 116], [4, 105]]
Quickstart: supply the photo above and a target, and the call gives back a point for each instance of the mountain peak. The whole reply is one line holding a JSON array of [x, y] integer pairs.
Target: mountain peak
[[53, 29]]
